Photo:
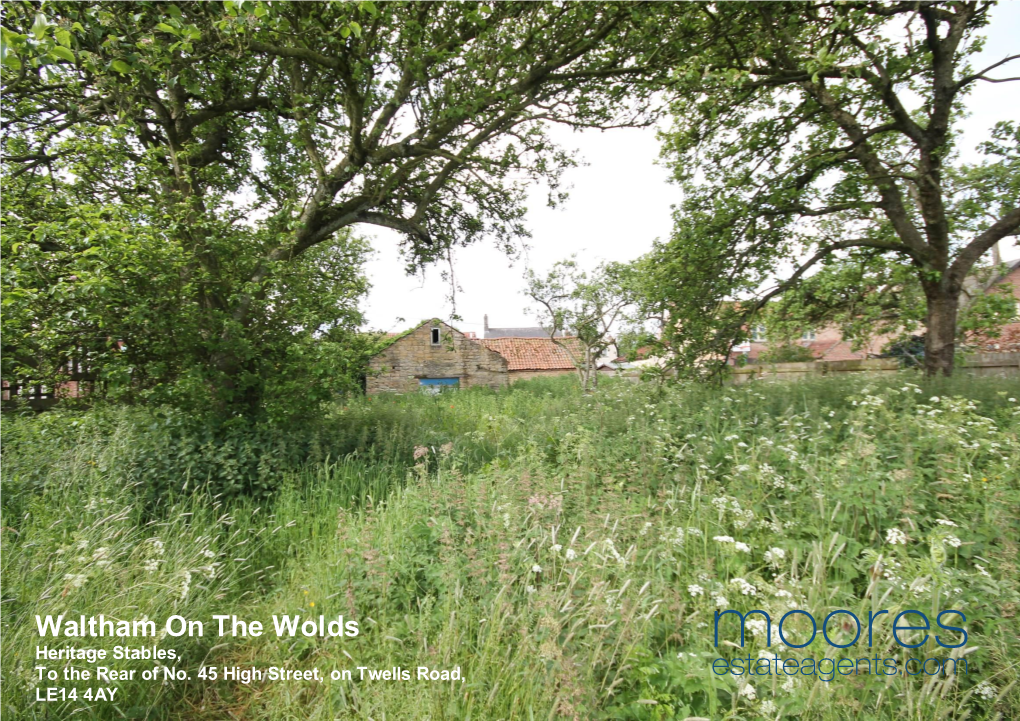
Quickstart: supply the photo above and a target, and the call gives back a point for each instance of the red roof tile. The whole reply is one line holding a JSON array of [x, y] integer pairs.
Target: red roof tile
[[534, 354]]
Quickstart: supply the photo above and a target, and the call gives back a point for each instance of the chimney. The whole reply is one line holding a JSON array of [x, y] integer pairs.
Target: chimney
[[485, 326]]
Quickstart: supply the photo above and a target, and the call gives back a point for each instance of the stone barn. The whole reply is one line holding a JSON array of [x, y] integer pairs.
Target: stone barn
[[434, 356], [536, 357]]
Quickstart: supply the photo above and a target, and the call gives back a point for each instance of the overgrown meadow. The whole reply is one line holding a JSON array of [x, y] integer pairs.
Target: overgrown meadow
[[567, 551]]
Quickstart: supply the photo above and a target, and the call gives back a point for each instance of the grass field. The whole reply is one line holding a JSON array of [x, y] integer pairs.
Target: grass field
[[568, 552]]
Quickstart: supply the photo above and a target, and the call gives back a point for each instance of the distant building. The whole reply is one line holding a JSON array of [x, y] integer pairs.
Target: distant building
[[824, 344], [828, 344], [534, 332], [1008, 339], [434, 356]]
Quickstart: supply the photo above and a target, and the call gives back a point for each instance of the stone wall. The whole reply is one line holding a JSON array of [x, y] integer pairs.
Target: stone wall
[[982, 364], [526, 375], [399, 367]]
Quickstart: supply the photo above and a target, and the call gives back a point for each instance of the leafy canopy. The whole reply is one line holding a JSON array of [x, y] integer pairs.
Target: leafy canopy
[[234, 145], [826, 132]]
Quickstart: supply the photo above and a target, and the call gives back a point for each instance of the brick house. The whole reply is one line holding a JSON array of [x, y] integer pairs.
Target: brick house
[[1008, 339], [824, 344], [435, 356]]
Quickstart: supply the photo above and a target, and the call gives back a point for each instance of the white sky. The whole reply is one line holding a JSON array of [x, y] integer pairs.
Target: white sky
[[619, 204]]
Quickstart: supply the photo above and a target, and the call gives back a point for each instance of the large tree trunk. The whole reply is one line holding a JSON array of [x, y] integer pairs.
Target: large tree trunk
[[940, 339]]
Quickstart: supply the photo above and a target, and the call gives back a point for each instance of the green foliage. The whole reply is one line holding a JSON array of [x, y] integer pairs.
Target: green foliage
[[786, 353], [865, 294], [434, 521], [183, 178], [988, 311], [571, 301], [794, 142], [632, 339]]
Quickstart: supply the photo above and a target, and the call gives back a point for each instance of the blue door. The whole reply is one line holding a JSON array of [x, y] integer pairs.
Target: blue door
[[434, 386]]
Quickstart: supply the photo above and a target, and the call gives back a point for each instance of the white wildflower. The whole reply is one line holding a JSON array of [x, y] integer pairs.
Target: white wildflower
[[719, 600], [695, 590], [536, 568], [896, 537], [768, 708], [571, 554], [985, 690], [529, 589], [75, 580], [185, 585], [742, 547], [945, 522], [759, 628], [744, 587], [611, 550], [953, 541], [744, 518], [774, 556], [556, 548], [748, 692], [675, 537], [723, 539]]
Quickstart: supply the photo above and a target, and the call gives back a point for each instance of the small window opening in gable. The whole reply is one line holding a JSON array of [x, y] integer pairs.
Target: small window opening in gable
[[435, 336]]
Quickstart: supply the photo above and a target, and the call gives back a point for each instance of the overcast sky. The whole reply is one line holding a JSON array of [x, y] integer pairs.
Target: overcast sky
[[619, 204]]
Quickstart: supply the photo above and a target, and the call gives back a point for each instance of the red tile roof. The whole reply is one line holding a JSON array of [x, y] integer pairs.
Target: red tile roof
[[534, 354]]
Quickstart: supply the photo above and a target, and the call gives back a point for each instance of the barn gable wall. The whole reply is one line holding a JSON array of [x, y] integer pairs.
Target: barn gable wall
[[399, 367]]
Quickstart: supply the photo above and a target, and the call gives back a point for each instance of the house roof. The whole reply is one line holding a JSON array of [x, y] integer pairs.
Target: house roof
[[518, 333], [533, 354]]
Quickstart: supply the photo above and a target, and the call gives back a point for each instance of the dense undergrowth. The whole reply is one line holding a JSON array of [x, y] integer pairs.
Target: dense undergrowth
[[568, 552]]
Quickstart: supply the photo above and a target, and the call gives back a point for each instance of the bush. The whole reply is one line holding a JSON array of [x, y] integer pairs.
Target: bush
[[786, 353]]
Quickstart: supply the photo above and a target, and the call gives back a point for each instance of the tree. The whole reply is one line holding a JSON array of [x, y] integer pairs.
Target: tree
[[868, 294], [818, 130], [632, 340], [586, 306], [247, 136]]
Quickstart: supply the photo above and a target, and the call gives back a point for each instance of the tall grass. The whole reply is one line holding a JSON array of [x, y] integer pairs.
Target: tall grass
[[560, 548]]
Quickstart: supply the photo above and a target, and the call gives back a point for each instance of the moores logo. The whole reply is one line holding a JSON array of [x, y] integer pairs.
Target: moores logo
[[922, 625]]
